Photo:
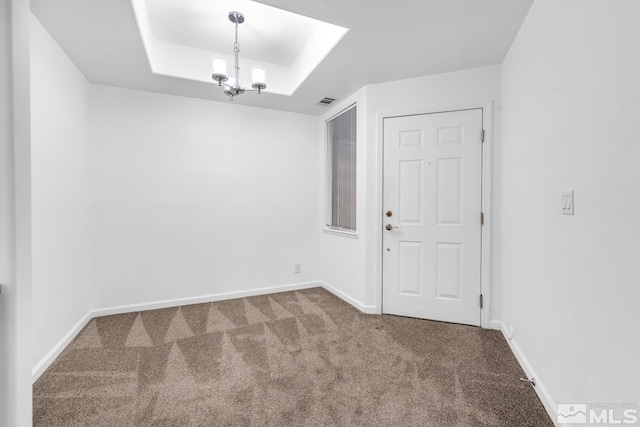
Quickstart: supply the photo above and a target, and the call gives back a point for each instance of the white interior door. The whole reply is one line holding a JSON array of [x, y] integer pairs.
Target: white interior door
[[432, 205]]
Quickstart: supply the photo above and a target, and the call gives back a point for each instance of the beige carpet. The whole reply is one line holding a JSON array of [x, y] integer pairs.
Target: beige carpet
[[293, 358]]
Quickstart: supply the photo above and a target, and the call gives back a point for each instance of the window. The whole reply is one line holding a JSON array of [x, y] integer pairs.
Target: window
[[341, 136]]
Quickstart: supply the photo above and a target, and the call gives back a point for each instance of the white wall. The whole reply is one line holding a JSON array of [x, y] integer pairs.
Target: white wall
[[353, 266], [176, 185], [192, 198], [142, 198], [61, 258], [343, 258], [7, 215], [571, 284], [15, 283]]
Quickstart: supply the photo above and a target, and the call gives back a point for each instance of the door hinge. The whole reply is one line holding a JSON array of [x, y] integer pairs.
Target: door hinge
[[482, 136], [481, 302], [481, 218]]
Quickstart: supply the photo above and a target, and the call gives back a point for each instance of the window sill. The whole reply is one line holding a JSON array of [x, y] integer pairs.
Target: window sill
[[338, 232]]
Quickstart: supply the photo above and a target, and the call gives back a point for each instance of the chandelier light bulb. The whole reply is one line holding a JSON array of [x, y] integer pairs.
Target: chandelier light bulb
[[258, 78], [219, 65], [258, 75]]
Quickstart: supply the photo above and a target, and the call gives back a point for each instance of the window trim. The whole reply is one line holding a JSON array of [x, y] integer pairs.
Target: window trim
[[327, 227], [340, 232]]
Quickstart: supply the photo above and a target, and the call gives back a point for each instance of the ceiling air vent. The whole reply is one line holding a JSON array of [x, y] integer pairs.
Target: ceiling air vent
[[326, 101]]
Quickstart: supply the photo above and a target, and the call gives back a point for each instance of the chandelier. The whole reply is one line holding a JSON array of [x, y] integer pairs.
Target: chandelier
[[231, 84]]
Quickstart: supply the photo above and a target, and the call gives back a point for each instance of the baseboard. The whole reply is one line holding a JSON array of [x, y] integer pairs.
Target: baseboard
[[202, 299], [542, 392], [496, 325], [369, 309], [48, 359], [64, 342]]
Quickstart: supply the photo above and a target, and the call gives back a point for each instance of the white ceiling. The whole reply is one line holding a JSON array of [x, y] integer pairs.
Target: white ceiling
[[265, 36], [386, 41], [289, 45]]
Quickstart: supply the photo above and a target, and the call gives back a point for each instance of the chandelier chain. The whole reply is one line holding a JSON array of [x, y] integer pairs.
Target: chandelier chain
[[236, 50], [236, 45]]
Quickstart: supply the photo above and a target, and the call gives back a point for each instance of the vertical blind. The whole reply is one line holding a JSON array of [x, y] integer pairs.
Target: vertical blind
[[342, 157]]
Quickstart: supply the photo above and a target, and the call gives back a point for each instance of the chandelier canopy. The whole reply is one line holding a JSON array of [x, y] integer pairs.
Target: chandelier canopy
[[231, 84]]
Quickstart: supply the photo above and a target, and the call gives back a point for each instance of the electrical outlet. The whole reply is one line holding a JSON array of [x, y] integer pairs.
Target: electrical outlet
[[567, 202], [297, 268]]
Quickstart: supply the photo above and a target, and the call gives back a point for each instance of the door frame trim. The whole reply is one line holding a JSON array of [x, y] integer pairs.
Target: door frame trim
[[487, 169]]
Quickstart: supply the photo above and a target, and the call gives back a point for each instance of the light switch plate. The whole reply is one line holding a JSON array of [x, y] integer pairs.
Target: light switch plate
[[567, 202]]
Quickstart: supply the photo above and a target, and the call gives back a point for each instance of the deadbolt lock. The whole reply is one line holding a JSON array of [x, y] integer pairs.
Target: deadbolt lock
[[389, 213]]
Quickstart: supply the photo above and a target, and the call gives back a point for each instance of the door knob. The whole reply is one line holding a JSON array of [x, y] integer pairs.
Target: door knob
[[390, 227]]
